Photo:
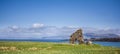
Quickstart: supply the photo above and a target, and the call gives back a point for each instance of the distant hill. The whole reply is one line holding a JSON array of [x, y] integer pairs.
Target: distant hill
[[106, 39], [107, 35]]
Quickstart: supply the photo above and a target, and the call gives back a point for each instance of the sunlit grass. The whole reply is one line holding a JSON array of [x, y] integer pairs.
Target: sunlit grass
[[53, 48]]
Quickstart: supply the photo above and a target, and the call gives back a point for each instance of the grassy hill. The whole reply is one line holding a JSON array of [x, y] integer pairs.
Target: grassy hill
[[53, 48]]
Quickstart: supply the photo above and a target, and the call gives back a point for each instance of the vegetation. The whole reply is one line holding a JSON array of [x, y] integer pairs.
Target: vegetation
[[53, 48]]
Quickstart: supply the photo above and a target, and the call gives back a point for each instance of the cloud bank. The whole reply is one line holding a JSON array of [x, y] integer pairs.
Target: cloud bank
[[41, 31]]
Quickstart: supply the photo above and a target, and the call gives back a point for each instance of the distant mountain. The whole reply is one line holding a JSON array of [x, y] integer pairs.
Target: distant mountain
[[101, 33], [94, 35]]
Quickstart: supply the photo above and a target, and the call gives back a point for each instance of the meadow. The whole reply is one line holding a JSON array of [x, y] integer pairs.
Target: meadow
[[9, 47]]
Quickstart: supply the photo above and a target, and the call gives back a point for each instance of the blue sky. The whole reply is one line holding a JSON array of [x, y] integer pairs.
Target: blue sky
[[26, 19], [82, 13]]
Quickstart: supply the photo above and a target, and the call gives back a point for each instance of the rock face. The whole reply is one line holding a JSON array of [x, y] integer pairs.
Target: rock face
[[77, 36]]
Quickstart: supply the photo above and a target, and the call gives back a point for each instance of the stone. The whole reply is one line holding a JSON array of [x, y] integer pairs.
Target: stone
[[77, 36]]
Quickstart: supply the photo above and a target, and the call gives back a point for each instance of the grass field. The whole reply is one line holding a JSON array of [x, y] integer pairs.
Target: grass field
[[53, 48]]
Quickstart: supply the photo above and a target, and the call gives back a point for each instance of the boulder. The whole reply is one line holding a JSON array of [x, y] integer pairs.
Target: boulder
[[77, 36]]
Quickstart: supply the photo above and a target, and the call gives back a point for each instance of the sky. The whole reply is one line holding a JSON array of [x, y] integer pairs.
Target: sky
[[61, 15], [83, 13]]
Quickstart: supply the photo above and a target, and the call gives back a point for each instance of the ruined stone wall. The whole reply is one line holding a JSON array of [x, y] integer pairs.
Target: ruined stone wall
[[77, 36]]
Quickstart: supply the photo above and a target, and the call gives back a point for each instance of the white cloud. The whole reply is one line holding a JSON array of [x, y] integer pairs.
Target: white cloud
[[11, 29], [15, 27], [39, 30], [37, 25], [36, 33]]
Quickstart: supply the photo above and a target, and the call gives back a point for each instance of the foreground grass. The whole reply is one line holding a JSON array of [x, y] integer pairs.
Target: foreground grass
[[53, 48]]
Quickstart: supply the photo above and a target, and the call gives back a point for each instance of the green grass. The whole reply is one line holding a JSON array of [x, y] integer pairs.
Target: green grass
[[53, 48]]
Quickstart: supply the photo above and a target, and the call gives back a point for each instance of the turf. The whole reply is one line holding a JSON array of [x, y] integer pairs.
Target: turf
[[7, 47]]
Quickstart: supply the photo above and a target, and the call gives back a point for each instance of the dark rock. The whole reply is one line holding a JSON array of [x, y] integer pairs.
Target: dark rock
[[77, 36]]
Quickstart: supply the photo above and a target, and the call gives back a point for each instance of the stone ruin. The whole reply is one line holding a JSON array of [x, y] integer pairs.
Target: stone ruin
[[77, 36]]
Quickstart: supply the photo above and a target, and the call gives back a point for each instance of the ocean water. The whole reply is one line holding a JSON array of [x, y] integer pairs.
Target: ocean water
[[113, 44]]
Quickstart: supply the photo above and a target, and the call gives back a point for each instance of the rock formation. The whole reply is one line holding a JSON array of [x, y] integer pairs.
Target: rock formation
[[77, 36]]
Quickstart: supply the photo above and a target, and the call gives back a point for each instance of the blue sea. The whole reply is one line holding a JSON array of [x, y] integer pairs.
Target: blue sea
[[113, 44]]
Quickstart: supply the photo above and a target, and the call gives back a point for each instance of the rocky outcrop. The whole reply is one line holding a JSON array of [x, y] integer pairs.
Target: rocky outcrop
[[77, 36]]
